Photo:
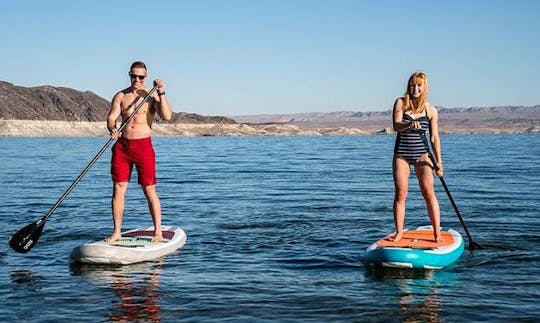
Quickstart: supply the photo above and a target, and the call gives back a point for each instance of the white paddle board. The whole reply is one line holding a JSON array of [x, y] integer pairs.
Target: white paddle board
[[134, 246]]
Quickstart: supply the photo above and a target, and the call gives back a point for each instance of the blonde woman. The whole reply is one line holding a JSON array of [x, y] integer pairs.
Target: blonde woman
[[413, 115]]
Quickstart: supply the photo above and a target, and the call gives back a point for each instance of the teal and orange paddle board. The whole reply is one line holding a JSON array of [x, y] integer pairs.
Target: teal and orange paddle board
[[417, 249]]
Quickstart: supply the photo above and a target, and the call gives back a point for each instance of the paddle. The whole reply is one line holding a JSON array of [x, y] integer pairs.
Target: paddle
[[472, 245], [24, 239]]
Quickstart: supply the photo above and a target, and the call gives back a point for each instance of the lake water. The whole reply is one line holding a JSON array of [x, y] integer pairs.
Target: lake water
[[277, 228]]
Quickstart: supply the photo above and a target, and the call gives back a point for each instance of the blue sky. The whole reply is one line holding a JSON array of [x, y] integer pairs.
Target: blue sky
[[249, 57]]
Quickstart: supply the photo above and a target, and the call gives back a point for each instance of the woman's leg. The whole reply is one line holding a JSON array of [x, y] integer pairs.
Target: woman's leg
[[424, 173], [401, 172]]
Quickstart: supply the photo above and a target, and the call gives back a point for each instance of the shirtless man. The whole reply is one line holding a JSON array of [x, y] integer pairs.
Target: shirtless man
[[134, 145]]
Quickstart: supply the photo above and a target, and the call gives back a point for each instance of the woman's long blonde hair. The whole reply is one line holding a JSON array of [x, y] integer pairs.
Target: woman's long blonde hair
[[411, 104]]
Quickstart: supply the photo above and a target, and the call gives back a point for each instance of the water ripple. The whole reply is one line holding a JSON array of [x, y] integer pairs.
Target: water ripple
[[277, 228]]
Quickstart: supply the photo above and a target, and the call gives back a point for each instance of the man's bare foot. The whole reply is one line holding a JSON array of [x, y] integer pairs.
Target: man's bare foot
[[158, 237], [397, 236], [114, 237]]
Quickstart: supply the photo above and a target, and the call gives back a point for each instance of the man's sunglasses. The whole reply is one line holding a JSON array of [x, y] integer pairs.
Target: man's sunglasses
[[135, 76]]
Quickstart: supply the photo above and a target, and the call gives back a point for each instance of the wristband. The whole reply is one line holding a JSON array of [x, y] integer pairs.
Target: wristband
[[162, 93]]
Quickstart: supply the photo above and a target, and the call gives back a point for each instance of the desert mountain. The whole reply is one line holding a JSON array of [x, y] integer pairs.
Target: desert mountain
[[505, 119], [48, 103], [65, 104]]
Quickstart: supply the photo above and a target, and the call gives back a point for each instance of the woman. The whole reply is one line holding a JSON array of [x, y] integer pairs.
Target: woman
[[414, 117]]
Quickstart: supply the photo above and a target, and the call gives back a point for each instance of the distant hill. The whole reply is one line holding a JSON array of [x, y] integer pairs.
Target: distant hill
[[64, 104], [506, 119], [48, 103]]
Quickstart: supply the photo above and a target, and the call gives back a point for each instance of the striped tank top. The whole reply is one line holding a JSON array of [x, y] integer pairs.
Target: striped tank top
[[409, 144]]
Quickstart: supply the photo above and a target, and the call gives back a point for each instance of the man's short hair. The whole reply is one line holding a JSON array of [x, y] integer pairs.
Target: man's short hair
[[137, 64]]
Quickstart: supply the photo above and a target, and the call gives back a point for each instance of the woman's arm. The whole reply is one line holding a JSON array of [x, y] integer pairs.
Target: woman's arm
[[435, 139], [398, 123]]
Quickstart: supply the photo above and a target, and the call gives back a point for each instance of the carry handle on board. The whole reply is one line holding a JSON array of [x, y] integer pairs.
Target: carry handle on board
[[24, 239], [472, 245]]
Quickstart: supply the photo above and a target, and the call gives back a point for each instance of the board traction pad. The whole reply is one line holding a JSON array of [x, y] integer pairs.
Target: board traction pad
[[137, 239], [418, 239]]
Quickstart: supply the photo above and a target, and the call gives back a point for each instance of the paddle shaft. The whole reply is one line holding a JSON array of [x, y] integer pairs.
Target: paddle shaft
[[96, 157], [472, 244]]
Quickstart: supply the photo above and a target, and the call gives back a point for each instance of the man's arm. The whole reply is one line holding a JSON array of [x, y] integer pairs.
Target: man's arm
[[114, 113], [161, 103], [163, 108]]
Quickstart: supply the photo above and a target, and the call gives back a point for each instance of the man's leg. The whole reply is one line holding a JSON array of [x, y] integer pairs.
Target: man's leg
[[118, 205], [154, 205]]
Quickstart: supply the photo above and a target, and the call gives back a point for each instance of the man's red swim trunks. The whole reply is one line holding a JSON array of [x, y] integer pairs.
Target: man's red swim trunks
[[138, 152]]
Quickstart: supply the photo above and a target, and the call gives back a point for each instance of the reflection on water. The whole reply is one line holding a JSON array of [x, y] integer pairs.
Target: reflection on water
[[136, 288], [418, 298], [26, 279]]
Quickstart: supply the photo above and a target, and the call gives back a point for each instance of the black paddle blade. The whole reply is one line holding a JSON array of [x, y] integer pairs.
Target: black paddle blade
[[474, 246], [24, 239]]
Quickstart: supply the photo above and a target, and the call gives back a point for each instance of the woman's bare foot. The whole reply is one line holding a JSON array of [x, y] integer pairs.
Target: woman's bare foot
[[397, 236], [437, 235], [114, 237]]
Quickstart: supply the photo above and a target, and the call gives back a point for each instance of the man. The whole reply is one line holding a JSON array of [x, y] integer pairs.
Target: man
[[134, 145]]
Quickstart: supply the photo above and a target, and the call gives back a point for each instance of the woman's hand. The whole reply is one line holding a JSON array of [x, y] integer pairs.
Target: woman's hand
[[439, 169], [415, 125]]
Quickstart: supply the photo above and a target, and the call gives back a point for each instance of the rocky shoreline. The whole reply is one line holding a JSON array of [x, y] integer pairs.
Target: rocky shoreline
[[34, 128]]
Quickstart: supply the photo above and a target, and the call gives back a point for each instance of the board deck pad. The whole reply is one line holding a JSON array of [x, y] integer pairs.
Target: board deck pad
[[418, 239], [137, 239], [148, 233]]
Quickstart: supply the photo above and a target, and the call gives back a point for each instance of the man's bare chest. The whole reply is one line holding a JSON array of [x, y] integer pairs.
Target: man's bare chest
[[130, 102]]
